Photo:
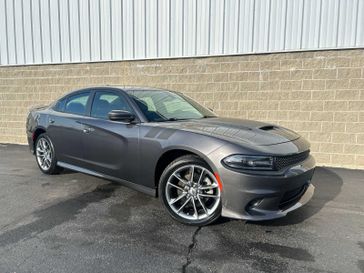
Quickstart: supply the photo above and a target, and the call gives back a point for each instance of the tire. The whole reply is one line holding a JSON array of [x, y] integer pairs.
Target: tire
[[192, 200], [45, 155]]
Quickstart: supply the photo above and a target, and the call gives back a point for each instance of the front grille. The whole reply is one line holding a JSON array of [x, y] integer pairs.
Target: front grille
[[291, 197], [281, 162]]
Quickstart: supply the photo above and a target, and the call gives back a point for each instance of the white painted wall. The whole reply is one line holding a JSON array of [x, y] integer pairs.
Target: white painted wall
[[67, 31]]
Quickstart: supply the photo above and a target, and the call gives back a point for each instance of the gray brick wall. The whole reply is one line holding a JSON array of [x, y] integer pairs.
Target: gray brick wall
[[319, 94]]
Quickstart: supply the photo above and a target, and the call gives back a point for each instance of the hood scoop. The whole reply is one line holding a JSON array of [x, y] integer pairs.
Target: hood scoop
[[267, 128]]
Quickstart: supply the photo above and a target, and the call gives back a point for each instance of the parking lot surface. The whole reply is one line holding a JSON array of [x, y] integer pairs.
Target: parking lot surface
[[77, 223]]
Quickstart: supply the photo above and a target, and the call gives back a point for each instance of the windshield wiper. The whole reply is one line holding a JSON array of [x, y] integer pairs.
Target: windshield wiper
[[172, 119], [168, 119]]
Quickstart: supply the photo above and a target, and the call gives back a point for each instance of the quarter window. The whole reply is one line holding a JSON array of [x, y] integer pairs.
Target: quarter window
[[105, 102], [60, 105], [76, 104]]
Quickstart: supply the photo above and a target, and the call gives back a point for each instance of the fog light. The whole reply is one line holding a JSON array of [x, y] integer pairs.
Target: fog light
[[255, 203]]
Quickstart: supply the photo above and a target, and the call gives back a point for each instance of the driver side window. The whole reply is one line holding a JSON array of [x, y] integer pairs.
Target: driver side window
[[105, 102]]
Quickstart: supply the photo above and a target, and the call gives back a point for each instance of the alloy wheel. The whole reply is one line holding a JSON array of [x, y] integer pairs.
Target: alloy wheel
[[192, 192], [44, 154]]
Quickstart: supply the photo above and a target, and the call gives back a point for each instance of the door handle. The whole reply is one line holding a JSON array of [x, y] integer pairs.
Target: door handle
[[51, 121]]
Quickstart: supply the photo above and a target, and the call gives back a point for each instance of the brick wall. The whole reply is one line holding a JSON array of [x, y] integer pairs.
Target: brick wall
[[319, 94]]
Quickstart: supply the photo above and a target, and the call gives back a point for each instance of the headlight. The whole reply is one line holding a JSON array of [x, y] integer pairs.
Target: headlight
[[249, 162]]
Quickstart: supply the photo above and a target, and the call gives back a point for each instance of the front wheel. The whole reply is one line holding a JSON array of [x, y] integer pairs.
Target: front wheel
[[45, 155], [190, 192]]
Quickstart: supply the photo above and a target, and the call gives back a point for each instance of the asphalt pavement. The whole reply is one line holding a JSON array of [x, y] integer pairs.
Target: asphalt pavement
[[77, 223]]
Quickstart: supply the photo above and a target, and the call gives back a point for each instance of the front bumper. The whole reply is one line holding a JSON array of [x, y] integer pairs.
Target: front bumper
[[264, 197]]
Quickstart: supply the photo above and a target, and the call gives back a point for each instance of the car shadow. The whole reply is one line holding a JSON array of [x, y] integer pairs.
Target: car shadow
[[67, 171], [222, 220], [327, 186]]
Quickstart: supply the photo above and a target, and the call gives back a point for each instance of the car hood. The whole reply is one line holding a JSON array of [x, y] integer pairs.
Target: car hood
[[239, 131]]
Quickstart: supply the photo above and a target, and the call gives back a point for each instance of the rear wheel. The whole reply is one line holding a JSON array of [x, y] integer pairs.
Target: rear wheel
[[45, 155], [190, 192]]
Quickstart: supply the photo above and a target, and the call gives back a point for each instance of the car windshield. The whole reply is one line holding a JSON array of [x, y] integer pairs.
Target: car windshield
[[163, 105]]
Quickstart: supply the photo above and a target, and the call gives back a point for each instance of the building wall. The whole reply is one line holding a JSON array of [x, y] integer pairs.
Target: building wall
[[64, 31], [319, 94]]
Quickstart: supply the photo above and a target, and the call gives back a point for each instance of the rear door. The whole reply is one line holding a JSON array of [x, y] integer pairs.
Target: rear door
[[111, 147], [66, 129]]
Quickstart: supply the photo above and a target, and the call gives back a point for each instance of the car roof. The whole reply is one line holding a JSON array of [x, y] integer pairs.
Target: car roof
[[124, 88], [133, 88]]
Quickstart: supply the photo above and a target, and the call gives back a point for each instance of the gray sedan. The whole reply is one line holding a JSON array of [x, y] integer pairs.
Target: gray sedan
[[165, 144]]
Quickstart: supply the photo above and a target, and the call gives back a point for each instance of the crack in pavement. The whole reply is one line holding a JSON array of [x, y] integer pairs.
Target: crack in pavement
[[190, 249]]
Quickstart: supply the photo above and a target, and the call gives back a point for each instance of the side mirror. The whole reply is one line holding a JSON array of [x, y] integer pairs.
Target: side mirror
[[121, 115]]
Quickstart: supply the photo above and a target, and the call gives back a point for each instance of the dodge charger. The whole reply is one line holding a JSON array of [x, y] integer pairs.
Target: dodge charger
[[165, 144]]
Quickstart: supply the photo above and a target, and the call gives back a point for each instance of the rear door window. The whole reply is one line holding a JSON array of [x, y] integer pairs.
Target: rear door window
[[77, 104]]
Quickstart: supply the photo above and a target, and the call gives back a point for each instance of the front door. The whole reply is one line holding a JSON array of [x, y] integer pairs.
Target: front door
[[111, 147]]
